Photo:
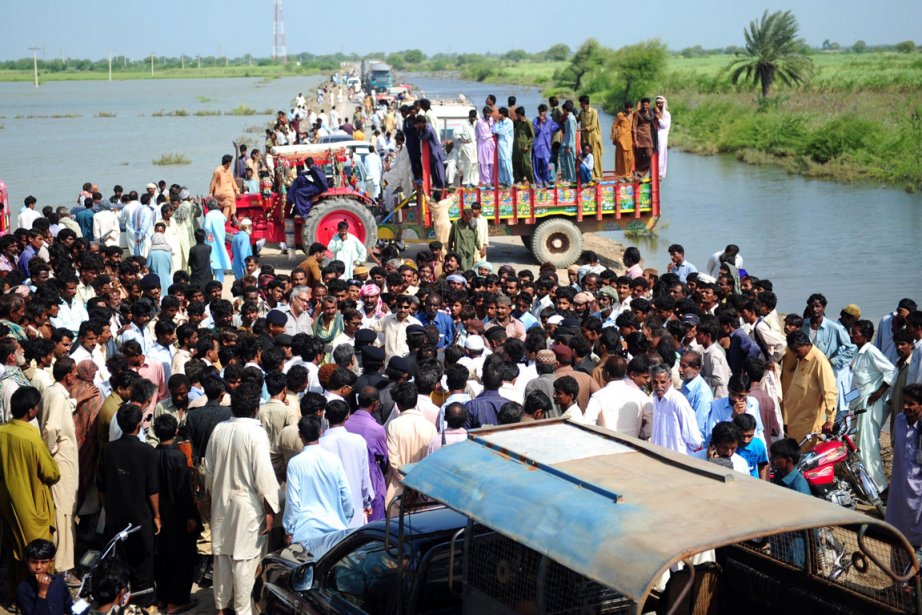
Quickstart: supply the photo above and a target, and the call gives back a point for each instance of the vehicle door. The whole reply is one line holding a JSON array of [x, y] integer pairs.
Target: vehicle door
[[434, 593], [358, 578]]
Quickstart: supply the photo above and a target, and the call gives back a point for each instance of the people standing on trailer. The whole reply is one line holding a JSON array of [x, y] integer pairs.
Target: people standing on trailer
[[504, 134], [466, 142], [486, 146], [411, 136], [546, 131], [215, 233], [522, 143], [567, 155], [591, 135], [663, 123], [622, 138], [643, 135], [428, 134], [224, 188]]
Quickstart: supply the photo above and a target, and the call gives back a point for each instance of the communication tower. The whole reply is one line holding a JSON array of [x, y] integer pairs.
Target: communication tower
[[278, 35]]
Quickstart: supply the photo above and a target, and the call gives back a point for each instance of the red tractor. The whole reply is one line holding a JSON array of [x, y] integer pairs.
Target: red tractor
[[274, 220]]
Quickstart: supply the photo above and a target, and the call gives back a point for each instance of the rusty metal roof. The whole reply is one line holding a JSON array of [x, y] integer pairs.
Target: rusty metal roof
[[616, 509]]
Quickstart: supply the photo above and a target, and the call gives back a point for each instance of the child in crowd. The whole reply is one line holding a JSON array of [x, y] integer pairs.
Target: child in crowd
[[174, 551], [784, 458], [43, 592], [725, 439], [251, 183], [587, 162], [751, 449]]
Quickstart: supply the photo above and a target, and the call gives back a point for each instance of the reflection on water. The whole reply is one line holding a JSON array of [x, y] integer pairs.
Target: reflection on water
[[855, 244]]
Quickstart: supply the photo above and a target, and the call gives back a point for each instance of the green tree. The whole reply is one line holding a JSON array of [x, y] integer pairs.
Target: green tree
[[515, 55], [637, 67], [397, 60], [693, 52], [587, 58], [860, 47], [557, 53], [414, 56], [772, 52], [906, 47]]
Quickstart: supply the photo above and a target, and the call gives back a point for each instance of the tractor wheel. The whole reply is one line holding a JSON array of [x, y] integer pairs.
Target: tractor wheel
[[320, 223], [557, 241], [526, 241]]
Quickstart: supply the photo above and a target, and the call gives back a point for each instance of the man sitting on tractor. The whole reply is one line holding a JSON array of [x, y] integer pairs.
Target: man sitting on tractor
[[309, 183]]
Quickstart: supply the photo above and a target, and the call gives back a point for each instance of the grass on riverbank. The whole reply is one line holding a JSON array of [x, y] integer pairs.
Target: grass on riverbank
[[171, 159], [859, 118]]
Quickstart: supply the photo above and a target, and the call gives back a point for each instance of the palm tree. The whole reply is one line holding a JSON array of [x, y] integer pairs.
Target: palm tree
[[772, 51]]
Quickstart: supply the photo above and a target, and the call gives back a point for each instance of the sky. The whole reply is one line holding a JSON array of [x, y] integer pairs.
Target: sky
[[90, 28]]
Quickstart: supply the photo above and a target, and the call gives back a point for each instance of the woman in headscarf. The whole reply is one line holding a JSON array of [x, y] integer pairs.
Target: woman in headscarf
[[12, 313], [85, 425], [663, 122], [734, 273], [160, 259]]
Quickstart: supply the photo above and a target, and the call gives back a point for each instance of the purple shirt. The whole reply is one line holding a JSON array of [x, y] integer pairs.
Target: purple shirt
[[904, 505], [484, 409], [362, 423]]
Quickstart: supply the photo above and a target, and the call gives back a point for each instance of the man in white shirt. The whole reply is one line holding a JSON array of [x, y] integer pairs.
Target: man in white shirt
[[299, 321], [137, 329], [730, 254], [88, 348], [714, 367], [106, 229], [161, 350], [353, 453], [394, 327], [347, 248], [126, 217], [408, 436], [674, 423], [28, 215], [244, 500], [70, 311], [566, 390], [620, 406], [483, 231]]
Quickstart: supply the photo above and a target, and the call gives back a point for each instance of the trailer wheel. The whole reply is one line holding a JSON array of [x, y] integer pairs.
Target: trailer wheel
[[557, 241], [321, 221]]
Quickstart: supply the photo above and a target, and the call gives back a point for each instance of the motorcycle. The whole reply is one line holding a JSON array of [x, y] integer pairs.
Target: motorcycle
[[819, 468], [91, 561], [839, 451]]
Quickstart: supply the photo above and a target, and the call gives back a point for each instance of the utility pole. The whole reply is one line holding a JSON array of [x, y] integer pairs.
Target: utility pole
[[182, 60], [34, 51], [110, 65], [151, 63], [199, 60]]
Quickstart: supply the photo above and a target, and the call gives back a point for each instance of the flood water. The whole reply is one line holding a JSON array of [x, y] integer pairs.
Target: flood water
[[853, 243]]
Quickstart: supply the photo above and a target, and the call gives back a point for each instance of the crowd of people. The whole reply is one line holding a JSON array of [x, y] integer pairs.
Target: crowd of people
[[137, 387], [500, 145]]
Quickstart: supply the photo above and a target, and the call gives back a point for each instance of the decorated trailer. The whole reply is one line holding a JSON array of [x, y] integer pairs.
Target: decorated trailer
[[550, 220]]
